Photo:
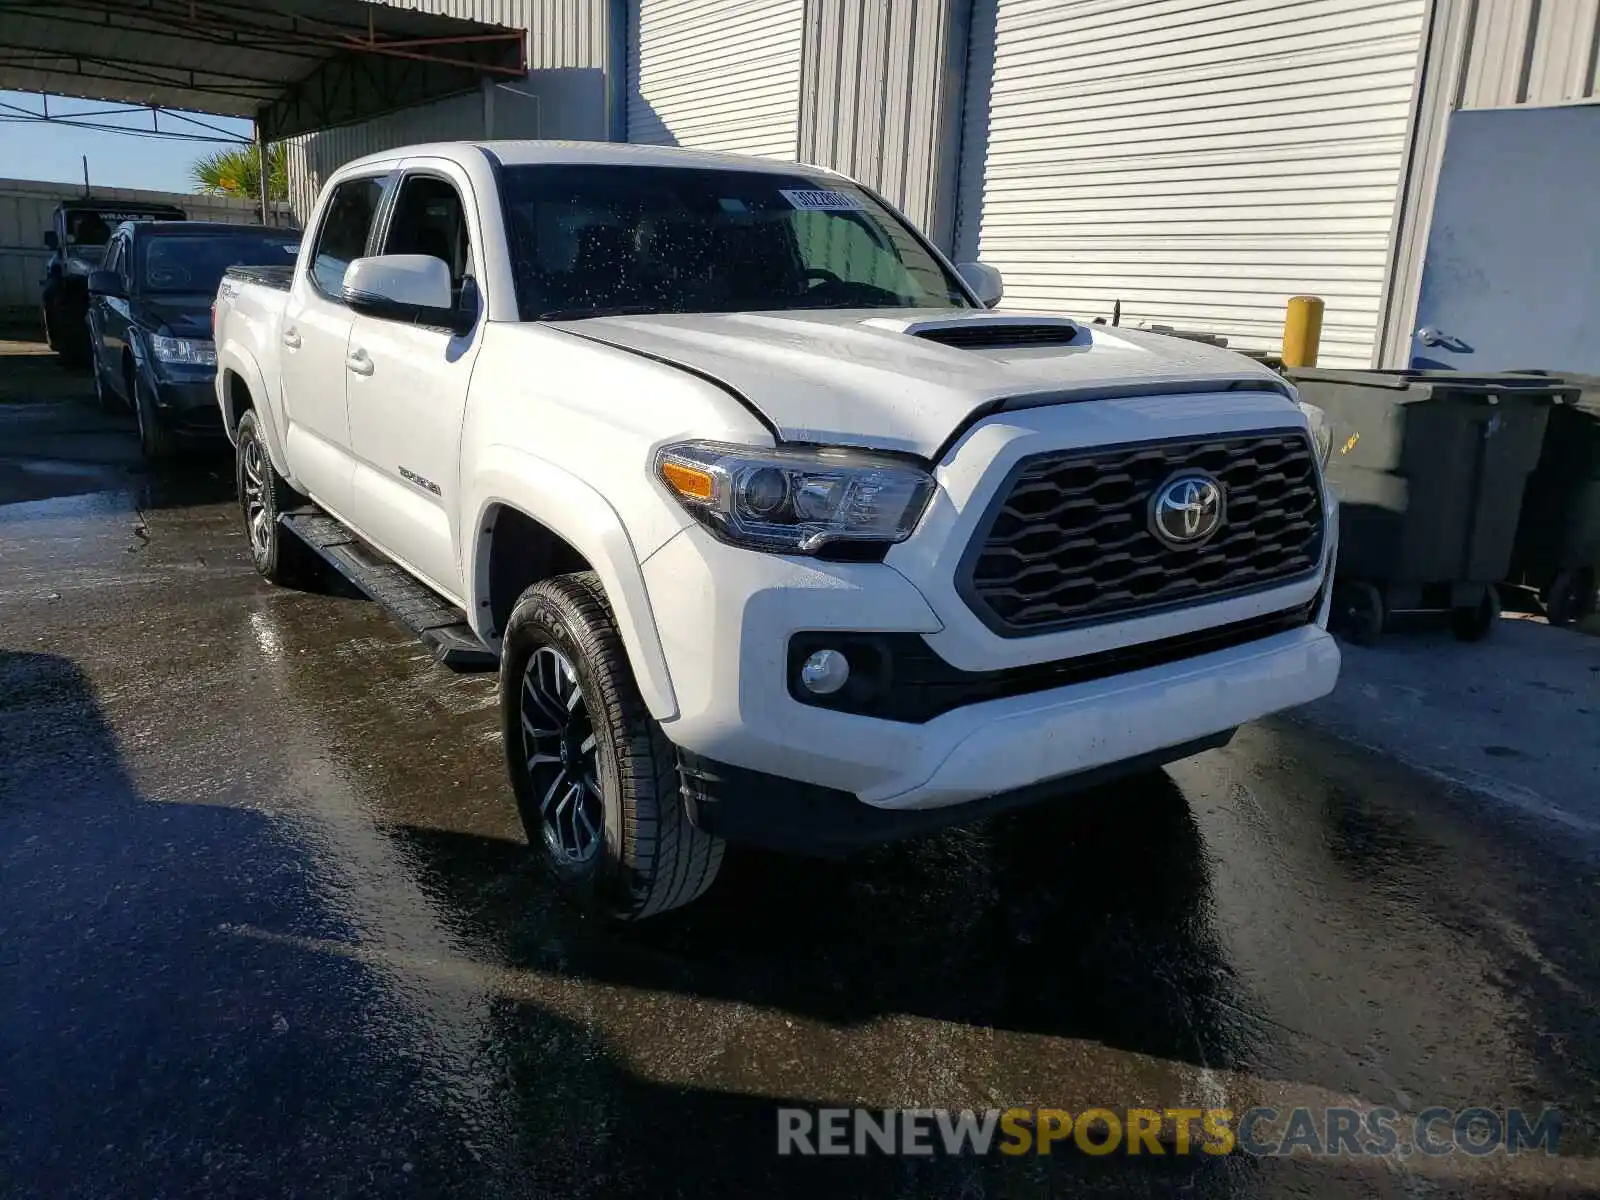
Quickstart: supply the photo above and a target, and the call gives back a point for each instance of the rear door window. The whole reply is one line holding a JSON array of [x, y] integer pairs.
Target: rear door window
[[345, 229]]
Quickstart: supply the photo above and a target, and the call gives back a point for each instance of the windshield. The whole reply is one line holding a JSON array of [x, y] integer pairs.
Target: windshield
[[596, 240], [93, 227], [195, 263]]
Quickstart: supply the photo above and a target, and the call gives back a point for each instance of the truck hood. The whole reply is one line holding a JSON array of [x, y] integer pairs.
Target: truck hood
[[175, 315], [873, 378]]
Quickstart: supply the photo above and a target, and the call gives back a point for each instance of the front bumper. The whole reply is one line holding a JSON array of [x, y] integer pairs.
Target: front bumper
[[801, 818], [726, 617], [187, 403]]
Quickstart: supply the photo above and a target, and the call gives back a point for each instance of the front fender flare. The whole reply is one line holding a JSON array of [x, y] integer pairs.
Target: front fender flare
[[573, 510], [232, 358]]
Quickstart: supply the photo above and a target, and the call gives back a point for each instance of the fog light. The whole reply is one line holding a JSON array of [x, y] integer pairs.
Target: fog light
[[825, 672]]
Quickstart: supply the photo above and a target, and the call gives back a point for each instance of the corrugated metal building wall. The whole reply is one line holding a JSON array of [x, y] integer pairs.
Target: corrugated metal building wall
[[28, 206], [315, 156], [1480, 54], [881, 99], [566, 93], [715, 74], [1199, 161]]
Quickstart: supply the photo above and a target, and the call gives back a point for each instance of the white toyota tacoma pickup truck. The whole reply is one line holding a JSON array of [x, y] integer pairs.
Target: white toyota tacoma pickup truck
[[778, 532]]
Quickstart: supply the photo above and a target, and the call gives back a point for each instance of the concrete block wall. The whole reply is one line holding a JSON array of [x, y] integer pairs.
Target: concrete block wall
[[26, 207]]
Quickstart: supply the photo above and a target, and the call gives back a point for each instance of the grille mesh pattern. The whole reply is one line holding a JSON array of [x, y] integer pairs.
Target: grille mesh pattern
[[1071, 542]]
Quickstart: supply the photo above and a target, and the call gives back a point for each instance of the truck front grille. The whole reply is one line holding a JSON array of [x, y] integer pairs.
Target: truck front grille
[[1069, 542]]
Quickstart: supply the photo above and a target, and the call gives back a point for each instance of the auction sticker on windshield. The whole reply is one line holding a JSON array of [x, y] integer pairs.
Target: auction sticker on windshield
[[820, 199]]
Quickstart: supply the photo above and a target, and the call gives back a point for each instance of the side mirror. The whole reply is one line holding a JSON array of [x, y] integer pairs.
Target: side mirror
[[105, 283], [51, 241], [984, 281], [413, 288]]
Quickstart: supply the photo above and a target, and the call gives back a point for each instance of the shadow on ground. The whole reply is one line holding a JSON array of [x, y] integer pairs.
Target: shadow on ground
[[185, 1011], [57, 442], [985, 926]]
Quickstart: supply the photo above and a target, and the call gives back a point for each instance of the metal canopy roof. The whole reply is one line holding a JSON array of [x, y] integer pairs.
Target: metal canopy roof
[[294, 65]]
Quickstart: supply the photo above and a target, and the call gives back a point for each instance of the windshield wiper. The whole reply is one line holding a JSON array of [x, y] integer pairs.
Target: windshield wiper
[[615, 310]]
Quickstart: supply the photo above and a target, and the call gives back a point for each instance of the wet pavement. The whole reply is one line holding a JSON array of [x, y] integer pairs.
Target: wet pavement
[[268, 926]]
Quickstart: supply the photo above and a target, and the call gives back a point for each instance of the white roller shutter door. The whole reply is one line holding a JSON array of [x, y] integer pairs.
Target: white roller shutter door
[[1201, 161], [716, 74]]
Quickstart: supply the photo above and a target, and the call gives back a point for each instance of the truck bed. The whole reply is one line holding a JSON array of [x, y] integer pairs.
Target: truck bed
[[277, 278]]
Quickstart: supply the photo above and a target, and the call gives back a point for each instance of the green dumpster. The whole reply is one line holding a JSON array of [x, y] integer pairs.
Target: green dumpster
[[1557, 549], [1430, 469]]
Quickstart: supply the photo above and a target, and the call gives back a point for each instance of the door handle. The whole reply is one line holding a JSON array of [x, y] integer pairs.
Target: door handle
[[359, 363], [291, 338], [1430, 336]]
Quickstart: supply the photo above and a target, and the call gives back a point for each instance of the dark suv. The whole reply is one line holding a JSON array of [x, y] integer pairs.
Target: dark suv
[[150, 319], [77, 239]]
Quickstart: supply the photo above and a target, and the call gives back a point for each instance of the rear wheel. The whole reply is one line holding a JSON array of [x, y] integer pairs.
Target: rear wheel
[[596, 780], [263, 495]]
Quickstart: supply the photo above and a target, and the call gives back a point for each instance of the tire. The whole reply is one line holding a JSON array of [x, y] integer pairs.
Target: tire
[[1570, 597], [1360, 612], [1476, 622], [263, 495], [155, 439], [105, 399], [596, 781], [49, 327]]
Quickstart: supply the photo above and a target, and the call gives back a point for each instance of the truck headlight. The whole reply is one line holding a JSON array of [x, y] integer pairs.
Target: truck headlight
[[1321, 431], [793, 500], [191, 352]]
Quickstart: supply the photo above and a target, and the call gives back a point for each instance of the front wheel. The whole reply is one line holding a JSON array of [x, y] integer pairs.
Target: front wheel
[[596, 781], [104, 397], [155, 439]]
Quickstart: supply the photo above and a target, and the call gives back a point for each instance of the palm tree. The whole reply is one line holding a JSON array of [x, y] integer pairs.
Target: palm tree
[[236, 172]]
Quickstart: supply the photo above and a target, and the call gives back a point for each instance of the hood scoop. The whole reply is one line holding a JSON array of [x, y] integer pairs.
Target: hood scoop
[[989, 332]]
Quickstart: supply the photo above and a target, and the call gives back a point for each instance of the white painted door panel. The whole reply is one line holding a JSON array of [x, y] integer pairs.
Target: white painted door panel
[[405, 423], [313, 339], [1513, 264]]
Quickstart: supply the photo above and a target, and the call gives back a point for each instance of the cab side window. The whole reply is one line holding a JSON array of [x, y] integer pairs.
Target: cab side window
[[429, 218], [344, 232]]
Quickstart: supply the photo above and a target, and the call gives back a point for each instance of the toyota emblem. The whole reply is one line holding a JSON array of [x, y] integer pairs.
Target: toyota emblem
[[1187, 509]]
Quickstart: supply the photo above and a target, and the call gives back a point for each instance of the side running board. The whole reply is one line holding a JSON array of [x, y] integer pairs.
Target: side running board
[[439, 624]]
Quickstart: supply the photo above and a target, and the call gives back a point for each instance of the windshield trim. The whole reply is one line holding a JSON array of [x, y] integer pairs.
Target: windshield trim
[[529, 312]]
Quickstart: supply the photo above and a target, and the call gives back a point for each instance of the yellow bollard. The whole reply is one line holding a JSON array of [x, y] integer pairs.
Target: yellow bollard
[[1302, 331]]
